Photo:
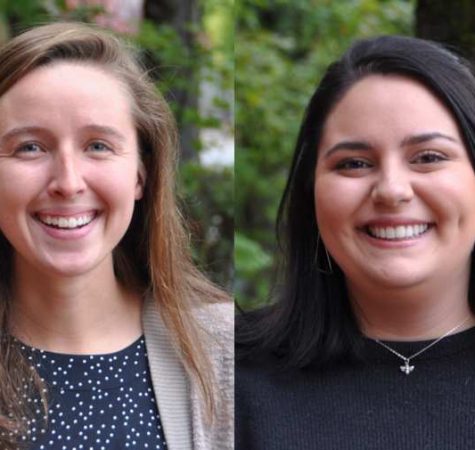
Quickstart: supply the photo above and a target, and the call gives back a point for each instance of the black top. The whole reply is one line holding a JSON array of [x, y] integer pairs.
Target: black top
[[368, 406], [97, 401]]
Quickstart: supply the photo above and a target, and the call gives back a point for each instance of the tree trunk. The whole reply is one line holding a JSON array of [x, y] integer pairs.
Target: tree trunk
[[449, 22], [183, 16]]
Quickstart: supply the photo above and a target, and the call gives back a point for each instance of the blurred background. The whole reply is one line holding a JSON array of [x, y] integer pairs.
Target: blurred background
[[188, 46], [282, 48]]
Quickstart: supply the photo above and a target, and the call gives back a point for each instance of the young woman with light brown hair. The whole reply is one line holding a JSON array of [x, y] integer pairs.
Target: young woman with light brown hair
[[110, 336]]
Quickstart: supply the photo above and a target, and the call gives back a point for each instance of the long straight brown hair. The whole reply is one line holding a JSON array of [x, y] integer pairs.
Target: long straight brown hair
[[153, 257]]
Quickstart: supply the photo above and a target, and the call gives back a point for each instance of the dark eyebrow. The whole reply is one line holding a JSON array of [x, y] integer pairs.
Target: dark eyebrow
[[348, 145], [425, 137], [410, 140]]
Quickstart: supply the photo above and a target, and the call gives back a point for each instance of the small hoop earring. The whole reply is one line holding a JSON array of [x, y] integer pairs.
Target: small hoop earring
[[329, 269]]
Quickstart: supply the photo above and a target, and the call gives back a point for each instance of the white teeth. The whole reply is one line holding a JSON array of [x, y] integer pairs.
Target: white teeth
[[399, 232], [64, 222]]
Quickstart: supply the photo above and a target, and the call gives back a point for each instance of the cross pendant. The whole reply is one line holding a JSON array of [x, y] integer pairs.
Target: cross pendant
[[406, 368]]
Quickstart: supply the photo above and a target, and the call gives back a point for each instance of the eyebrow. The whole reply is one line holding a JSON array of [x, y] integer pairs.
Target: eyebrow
[[105, 130], [407, 141], [19, 131], [425, 137], [14, 132]]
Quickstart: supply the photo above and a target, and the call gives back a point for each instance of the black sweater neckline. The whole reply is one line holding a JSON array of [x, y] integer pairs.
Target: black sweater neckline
[[450, 345]]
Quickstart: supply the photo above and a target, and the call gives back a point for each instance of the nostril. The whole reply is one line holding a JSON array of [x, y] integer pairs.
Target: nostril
[[392, 192], [67, 183]]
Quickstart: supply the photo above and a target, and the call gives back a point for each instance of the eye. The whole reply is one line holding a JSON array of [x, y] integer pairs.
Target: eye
[[352, 164], [429, 157], [99, 147], [28, 149]]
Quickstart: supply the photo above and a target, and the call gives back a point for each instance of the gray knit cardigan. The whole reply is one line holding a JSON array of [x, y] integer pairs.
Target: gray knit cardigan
[[177, 395]]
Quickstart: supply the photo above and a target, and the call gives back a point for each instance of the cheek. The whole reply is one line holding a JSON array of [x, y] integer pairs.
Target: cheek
[[18, 188], [117, 188], [119, 200], [336, 202], [464, 188], [452, 199], [14, 217], [118, 180]]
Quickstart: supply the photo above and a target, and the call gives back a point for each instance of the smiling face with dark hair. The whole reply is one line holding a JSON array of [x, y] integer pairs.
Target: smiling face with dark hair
[[394, 189]]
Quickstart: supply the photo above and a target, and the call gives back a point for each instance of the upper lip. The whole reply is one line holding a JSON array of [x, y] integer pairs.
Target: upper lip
[[66, 212], [394, 222]]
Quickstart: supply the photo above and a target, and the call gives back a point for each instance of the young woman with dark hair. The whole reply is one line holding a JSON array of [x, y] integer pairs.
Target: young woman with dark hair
[[370, 343], [110, 337]]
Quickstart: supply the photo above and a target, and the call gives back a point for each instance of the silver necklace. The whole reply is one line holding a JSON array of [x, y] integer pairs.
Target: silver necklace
[[407, 368]]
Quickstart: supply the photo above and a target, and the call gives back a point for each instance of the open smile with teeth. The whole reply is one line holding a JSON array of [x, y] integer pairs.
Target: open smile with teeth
[[67, 223], [399, 232]]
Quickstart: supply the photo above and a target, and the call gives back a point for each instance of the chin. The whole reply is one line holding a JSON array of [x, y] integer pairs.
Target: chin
[[395, 280], [71, 266], [67, 271]]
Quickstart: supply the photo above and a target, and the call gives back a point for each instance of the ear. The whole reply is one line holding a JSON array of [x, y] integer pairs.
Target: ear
[[141, 176]]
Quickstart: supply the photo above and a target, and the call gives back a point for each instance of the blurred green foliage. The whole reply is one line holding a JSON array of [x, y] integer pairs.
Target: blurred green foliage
[[209, 206], [282, 48], [205, 192]]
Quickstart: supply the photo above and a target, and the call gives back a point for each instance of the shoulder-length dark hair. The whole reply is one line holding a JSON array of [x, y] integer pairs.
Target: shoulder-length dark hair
[[312, 321]]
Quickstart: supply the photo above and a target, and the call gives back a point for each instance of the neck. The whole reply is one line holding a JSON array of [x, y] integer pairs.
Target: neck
[[415, 313], [85, 314]]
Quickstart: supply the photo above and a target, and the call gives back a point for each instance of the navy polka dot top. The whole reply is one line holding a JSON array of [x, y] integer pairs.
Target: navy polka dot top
[[100, 402]]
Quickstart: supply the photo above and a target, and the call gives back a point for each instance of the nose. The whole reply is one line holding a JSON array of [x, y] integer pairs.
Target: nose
[[67, 178], [392, 187]]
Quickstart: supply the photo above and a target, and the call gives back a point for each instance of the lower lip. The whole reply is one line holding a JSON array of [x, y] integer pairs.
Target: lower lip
[[67, 234], [397, 243]]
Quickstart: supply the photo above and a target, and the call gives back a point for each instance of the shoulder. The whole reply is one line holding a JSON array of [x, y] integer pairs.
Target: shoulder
[[215, 322], [265, 393], [216, 319], [255, 371]]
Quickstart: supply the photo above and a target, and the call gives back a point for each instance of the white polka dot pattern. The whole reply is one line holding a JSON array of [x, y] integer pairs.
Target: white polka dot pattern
[[100, 402]]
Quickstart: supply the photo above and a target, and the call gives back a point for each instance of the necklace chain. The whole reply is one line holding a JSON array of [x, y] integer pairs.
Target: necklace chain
[[407, 368]]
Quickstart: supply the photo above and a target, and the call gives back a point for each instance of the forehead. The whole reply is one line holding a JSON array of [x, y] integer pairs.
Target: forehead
[[388, 105], [384, 109], [63, 89]]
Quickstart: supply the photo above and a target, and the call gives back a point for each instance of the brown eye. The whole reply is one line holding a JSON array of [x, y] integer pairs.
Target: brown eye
[[429, 158], [353, 164]]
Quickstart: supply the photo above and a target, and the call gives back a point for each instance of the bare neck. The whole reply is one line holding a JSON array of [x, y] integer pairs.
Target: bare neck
[[85, 314], [414, 313]]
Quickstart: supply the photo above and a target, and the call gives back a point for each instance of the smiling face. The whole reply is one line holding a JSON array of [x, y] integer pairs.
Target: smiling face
[[394, 188], [69, 168]]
